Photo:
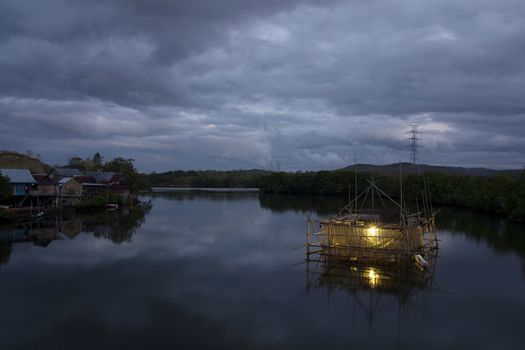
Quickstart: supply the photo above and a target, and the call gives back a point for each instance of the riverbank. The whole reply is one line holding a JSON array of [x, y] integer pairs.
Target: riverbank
[[25, 214], [95, 204]]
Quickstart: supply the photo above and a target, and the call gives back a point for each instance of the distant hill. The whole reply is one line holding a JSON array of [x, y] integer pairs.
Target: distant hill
[[409, 168], [14, 160]]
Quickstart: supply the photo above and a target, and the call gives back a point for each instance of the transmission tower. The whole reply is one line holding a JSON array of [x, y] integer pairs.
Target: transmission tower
[[413, 142]]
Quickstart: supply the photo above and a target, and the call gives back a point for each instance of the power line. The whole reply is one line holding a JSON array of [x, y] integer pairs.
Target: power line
[[413, 142]]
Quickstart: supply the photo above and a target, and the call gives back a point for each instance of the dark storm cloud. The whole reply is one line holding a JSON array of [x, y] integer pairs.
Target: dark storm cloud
[[207, 84]]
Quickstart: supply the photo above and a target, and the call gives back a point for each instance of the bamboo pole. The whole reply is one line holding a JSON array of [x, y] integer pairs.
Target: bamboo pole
[[309, 221], [355, 182]]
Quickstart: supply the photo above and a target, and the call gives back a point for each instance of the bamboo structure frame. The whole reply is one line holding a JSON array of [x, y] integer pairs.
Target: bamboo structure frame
[[363, 250], [370, 235], [360, 250]]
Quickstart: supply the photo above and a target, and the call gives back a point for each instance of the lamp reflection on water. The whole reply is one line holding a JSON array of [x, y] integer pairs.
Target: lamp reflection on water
[[373, 278]]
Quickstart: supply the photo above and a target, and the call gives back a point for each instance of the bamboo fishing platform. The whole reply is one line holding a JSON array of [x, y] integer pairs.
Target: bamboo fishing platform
[[381, 246]]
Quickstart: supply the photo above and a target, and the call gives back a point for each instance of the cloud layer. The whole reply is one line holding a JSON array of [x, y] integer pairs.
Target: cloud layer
[[308, 84]]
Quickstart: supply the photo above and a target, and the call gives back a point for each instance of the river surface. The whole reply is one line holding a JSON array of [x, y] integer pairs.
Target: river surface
[[227, 271]]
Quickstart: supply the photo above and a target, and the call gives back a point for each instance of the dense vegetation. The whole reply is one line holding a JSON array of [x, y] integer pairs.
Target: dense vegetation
[[87, 164], [135, 180], [501, 194], [99, 202], [5, 187], [208, 178]]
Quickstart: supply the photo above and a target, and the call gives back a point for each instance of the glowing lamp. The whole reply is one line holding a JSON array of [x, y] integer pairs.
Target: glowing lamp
[[371, 231]]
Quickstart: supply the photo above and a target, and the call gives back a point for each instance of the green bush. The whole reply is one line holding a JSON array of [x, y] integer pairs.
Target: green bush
[[6, 215], [100, 202], [136, 182], [92, 203], [5, 187]]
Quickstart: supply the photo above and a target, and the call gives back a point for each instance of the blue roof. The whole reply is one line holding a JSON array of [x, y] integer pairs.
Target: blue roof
[[64, 180], [18, 176]]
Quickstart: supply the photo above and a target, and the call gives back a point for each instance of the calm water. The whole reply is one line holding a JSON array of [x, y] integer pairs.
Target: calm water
[[220, 270]]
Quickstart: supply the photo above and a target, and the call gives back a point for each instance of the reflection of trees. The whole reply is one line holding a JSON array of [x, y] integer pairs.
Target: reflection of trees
[[500, 235], [40, 232], [192, 195], [116, 226], [322, 205], [302, 203]]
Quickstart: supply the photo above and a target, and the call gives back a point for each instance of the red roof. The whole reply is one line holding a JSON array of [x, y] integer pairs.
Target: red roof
[[40, 177], [85, 179]]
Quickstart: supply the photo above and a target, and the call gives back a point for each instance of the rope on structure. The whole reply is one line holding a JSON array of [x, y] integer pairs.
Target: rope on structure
[[364, 200], [387, 196], [381, 199], [348, 207]]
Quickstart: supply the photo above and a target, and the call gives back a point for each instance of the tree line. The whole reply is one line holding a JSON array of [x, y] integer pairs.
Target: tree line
[[500, 194], [208, 178]]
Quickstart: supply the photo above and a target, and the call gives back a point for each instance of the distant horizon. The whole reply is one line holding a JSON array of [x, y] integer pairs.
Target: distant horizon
[[41, 158], [144, 166]]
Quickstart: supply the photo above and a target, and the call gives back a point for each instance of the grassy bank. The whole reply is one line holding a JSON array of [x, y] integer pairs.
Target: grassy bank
[[100, 202]]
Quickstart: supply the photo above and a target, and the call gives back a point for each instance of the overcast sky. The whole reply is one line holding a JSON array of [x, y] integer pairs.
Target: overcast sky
[[229, 84]]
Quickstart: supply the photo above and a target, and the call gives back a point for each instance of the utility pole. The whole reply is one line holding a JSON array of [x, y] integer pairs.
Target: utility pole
[[413, 142]]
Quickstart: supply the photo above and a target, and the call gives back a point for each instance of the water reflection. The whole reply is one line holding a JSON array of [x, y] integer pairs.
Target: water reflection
[[370, 278], [322, 205], [209, 196], [116, 226], [499, 234], [399, 277], [218, 271]]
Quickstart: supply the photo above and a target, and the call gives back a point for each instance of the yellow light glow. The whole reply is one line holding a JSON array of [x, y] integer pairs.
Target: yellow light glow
[[371, 231], [373, 278]]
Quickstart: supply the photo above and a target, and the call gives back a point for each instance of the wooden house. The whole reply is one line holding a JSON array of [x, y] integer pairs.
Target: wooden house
[[46, 186], [22, 182], [77, 186], [116, 181]]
